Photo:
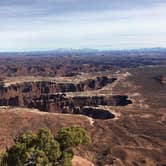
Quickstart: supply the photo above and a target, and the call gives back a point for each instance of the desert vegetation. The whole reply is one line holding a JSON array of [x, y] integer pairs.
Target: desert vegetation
[[45, 149]]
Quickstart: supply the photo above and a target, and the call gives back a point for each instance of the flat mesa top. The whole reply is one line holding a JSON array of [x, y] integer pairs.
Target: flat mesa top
[[8, 81]]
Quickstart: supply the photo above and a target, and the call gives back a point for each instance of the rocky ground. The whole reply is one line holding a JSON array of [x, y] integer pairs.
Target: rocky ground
[[124, 111]]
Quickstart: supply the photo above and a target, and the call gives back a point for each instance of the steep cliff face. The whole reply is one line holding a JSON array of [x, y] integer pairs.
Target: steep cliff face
[[51, 97], [75, 105], [95, 113], [16, 94]]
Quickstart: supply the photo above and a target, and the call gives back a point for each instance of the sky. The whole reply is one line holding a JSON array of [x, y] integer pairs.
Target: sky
[[29, 25]]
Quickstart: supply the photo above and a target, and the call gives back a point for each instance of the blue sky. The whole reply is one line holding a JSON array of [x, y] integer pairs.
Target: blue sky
[[102, 24]]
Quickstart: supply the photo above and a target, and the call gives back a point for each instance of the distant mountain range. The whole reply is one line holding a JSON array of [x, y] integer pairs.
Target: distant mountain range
[[85, 51]]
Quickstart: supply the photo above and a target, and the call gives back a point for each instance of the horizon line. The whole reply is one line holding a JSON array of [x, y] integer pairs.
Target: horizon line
[[78, 49]]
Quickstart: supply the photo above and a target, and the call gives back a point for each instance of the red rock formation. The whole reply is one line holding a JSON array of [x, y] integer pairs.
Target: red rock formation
[[23, 93]]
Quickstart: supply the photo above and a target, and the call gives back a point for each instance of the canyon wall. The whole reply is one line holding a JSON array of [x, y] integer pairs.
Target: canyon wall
[[50, 96]]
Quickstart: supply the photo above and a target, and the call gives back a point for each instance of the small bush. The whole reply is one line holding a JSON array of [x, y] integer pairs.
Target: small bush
[[73, 136]]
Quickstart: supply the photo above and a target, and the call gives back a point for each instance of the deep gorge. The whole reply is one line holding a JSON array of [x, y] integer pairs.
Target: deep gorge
[[52, 97]]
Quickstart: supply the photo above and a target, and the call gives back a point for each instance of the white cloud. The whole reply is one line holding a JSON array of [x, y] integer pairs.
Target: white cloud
[[132, 28]]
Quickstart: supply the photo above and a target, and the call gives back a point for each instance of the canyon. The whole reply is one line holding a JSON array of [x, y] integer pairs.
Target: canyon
[[121, 104], [52, 96]]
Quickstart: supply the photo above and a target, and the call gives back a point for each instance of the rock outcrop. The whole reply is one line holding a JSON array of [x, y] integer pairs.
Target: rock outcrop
[[50, 96], [79, 161], [65, 104], [17, 93]]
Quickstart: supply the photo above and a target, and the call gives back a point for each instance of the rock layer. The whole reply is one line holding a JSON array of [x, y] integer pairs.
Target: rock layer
[[65, 104], [51, 97]]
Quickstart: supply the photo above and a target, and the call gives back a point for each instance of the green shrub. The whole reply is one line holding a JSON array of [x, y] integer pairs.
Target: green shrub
[[43, 149], [73, 136], [67, 157]]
